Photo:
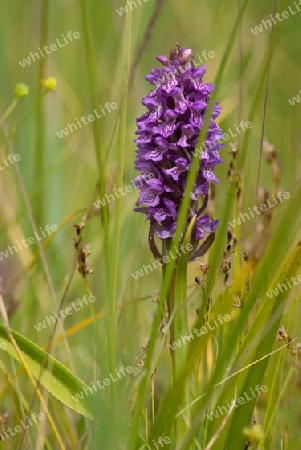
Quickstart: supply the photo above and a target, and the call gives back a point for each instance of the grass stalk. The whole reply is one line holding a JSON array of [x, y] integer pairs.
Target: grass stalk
[[40, 121]]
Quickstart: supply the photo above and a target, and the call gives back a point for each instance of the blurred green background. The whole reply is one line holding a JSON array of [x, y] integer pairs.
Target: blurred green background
[[61, 175]]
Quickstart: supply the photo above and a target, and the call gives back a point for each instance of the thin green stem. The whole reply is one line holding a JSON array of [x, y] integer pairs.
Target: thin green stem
[[10, 108], [30, 112], [169, 297], [120, 174], [181, 330], [40, 140], [177, 307]]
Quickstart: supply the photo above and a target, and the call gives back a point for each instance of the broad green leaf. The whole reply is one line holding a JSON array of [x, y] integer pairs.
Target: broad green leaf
[[56, 378]]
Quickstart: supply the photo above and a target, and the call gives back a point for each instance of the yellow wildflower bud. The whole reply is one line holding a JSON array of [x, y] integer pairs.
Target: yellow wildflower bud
[[21, 90], [49, 83]]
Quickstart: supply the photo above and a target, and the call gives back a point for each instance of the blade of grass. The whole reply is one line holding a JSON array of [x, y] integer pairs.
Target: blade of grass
[[121, 144], [40, 121]]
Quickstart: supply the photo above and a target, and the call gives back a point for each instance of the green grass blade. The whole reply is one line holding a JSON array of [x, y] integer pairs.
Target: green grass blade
[[55, 378]]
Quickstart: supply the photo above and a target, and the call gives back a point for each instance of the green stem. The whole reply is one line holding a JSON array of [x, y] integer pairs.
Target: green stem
[[181, 330], [169, 296], [30, 112], [177, 303], [10, 108], [40, 121]]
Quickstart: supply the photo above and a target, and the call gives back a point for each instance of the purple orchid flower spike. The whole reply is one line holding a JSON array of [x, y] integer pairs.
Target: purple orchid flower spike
[[167, 137]]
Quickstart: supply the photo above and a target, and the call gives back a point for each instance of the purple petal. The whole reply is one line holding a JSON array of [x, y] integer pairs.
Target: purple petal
[[162, 234], [202, 189], [210, 176], [150, 197], [154, 155], [159, 214]]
